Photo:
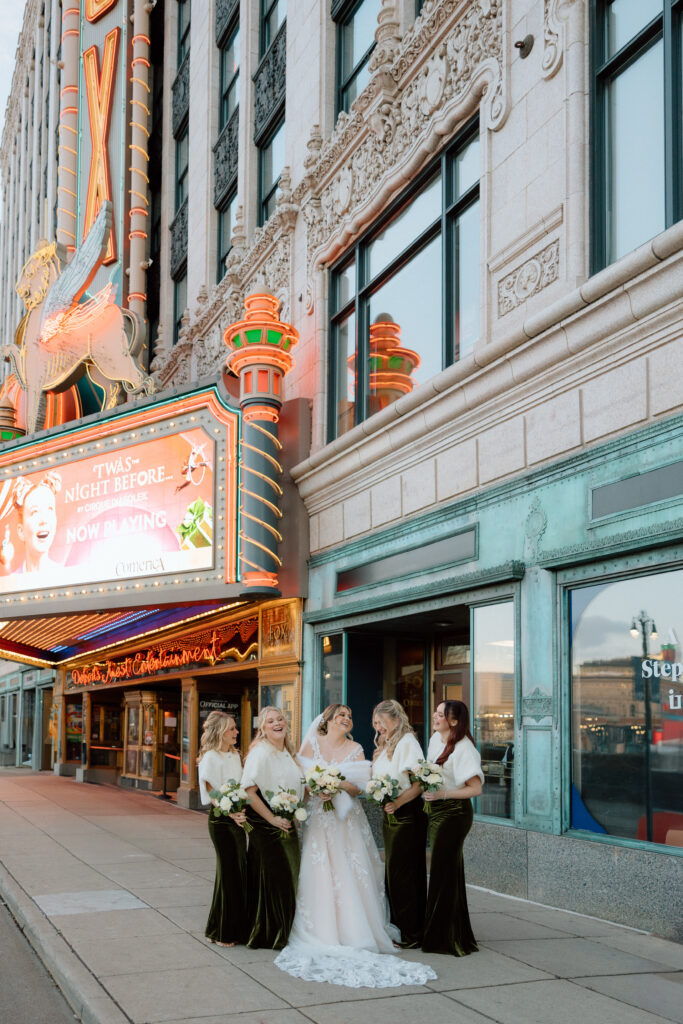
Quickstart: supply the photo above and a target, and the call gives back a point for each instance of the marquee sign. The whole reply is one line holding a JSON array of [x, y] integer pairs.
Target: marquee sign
[[144, 500], [145, 509], [233, 641]]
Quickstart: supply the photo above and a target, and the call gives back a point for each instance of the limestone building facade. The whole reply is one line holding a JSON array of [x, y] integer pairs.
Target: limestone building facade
[[471, 212]]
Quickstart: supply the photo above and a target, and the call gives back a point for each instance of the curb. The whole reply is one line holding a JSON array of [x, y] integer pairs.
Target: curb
[[81, 989]]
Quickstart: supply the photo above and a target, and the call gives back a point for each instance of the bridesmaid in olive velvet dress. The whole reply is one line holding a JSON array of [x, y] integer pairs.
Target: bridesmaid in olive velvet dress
[[219, 762], [404, 823], [447, 921], [273, 858]]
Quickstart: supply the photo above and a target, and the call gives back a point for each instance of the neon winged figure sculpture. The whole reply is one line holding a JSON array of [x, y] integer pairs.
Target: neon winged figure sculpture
[[64, 338]]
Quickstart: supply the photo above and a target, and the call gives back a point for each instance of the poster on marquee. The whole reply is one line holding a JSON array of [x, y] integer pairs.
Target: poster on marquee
[[143, 510]]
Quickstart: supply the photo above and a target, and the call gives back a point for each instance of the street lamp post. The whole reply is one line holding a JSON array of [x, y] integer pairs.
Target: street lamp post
[[644, 627]]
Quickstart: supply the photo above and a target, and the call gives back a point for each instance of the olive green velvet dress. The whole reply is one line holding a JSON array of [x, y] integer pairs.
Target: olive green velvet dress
[[272, 857], [228, 917], [447, 927], [406, 870]]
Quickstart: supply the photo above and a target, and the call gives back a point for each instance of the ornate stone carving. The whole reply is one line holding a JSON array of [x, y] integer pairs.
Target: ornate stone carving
[[534, 528], [225, 159], [555, 13], [537, 705], [269, 85], [531, 277], [181, 95], [225, 12], [179, 239], [451, 60]]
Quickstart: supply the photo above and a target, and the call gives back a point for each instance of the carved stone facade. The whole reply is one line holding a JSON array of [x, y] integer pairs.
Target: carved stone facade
[[555, 13], [225, 159], [531, 277], [226, 10], [181, 95], [448, 64], [179, 240], [269, 86]]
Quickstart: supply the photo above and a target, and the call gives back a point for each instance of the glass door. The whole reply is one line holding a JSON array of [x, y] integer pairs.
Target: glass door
[[493, 704]]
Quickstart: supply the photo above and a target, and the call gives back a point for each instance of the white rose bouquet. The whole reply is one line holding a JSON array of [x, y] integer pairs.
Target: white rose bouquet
[[325, 781], [286, 804], [429, 777], [230, 799], [384, 790]]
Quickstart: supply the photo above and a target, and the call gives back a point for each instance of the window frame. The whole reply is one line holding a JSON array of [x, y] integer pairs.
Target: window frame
[[343, 17], [225, 87], [178, 313], [615, 570], [221, 249], [181, 175], [265, 37], [263, 196], [444, 225], [667, 26], [183, 36]]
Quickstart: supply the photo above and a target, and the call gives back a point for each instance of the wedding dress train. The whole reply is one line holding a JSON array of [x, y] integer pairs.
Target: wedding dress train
[[341, 932]]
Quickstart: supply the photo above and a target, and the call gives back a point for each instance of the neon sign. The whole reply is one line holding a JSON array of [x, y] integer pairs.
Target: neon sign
[[99, 91]]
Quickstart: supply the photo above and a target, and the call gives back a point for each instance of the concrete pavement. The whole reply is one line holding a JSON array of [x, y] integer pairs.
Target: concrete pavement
[[112, 888]]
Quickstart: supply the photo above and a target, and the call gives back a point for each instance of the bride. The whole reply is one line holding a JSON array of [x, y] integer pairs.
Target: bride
[[341, 931]]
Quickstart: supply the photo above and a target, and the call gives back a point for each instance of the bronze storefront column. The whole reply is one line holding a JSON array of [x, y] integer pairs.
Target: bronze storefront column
[[188, 794]]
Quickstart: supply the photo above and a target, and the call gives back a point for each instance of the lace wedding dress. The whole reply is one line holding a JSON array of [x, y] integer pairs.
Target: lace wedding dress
[[341, 932]]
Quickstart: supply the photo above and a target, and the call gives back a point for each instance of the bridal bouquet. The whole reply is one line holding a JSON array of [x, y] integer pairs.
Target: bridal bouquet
[[429, 777], [286, 804], [384, 790], [230, 799], [324, 780]]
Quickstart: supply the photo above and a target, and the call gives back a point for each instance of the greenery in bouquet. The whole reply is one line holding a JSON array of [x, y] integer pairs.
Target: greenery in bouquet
[[231, 798], [429, 777], [286, 804], [325, 782], [383, 790]]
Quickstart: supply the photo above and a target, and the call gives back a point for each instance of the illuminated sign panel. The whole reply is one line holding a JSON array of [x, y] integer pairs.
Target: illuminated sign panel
[[135, 507], [141, 510]]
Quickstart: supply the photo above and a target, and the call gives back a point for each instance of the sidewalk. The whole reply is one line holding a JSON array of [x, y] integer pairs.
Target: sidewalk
[[113, 887]]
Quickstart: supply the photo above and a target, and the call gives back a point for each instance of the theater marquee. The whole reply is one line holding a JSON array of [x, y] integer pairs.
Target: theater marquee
[[144, 500]]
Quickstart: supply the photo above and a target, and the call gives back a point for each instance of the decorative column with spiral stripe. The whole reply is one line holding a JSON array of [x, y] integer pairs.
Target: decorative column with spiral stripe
[[260, 355]]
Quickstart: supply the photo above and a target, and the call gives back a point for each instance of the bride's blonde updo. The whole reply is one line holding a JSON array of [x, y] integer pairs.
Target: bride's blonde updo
[[216, 725], [328, 715], [260, 722], [387, 744]]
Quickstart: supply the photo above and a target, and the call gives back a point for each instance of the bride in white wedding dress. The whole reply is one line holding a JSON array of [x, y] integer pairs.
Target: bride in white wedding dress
[[341, 931]]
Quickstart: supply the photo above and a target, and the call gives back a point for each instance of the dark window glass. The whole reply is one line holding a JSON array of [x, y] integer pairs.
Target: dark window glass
[[230, 78], [636, 491], [405, 302], [184, 11], [182, 153], [637, 122], [332, 662], [458, 548], [226, 223], [179, 304], [627, 721], [356, 41], [273, 17], [271, 162]]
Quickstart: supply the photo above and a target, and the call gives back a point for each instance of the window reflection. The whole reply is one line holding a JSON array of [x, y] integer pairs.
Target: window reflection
[[332, 688], [414, 354], [625, 18], [635, 104], [493, 717], [405, 227], [345, 373], [627, 722]]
